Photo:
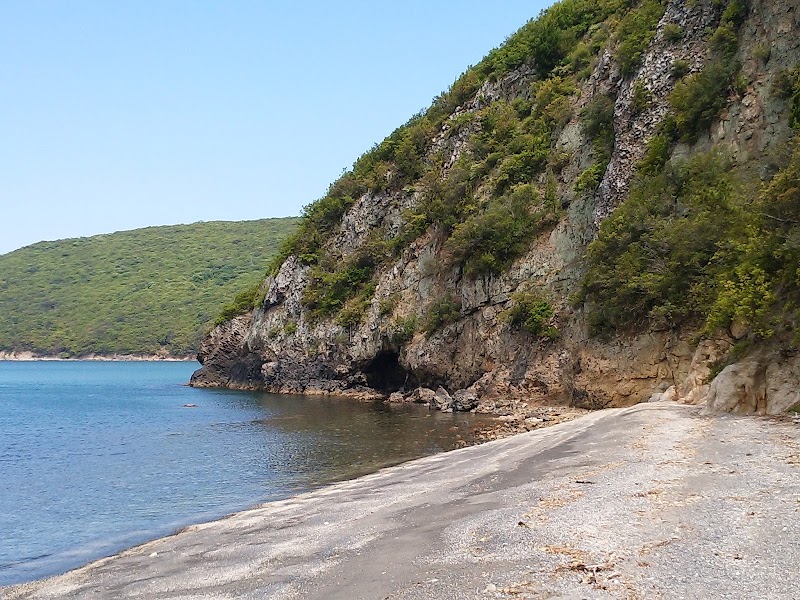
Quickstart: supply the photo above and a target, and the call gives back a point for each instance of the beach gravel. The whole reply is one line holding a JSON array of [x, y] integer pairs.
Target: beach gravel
[[655, 501]]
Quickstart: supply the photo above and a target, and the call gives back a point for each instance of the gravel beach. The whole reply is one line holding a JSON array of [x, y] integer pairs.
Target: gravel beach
[[654, 501]]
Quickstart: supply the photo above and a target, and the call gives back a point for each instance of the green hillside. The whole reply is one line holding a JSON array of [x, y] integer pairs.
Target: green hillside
[[140, 291]]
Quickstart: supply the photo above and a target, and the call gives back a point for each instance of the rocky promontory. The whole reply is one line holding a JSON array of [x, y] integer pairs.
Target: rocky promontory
[[468, 261]]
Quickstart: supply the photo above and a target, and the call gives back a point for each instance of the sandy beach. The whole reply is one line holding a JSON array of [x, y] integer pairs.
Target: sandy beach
[[654, 501]]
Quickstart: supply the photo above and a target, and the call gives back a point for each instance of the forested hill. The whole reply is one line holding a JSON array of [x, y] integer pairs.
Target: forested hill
[[145, 291]]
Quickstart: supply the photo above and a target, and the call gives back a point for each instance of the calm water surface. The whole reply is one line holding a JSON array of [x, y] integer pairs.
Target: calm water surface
[[96, 457]]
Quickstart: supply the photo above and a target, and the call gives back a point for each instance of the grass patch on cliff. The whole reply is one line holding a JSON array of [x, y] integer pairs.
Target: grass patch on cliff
[[345, 289], [597, 123], [487, 242], [532, 312], [636, 31], [243, 302], [441, 313]]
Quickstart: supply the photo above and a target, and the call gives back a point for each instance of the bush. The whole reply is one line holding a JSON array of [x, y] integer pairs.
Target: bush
[[318, 221], [333, 284], [547, 40], [440, 313], [410, 150], [551, 101], [787, 86], [597, 121], [641, 97], [598, 127], [523, 165], [657, 154], [242, 303], [532, 313], [353, 311], [686, 248], [762, 52], [444, 202], [636, 32], [680, 68], [762, 289], [589, 180], [403, 330], [488, 242], [673, 32], [387, 305], [697, 100], [656, 258]]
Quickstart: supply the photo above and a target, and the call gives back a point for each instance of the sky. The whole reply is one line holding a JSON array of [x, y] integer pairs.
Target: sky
[[131, 113]]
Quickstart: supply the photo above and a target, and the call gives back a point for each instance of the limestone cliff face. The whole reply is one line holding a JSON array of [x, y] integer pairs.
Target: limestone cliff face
[[282, 348]]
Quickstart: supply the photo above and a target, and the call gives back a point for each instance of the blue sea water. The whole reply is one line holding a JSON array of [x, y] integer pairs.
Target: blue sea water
[[99, 456]]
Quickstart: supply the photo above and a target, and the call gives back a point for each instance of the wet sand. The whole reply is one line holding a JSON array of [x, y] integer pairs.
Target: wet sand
[[654, 501]]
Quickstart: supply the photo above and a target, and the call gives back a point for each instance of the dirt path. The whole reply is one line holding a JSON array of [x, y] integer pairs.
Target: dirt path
[[649, 502]]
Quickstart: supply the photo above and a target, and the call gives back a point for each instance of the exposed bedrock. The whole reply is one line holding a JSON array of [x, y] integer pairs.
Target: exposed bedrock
[[477, 359]]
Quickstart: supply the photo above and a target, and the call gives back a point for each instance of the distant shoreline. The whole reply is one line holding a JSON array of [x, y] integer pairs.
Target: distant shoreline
[[33, 357]]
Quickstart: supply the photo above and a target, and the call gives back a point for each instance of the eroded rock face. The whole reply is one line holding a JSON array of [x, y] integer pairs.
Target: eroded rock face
[[480, 362], [766, 384], [226, 360], [655, 76]]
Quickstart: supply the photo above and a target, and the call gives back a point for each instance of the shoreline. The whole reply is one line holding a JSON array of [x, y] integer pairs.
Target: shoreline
[[33, 357], [618, 503]]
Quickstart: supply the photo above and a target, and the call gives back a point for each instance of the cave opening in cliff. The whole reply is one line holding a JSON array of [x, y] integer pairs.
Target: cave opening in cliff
[[386, 374]]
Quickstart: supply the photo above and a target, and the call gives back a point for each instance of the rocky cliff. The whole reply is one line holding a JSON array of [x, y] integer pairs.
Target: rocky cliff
[[453, 258]]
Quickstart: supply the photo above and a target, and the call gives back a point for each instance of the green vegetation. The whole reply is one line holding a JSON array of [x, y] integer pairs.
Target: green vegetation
[[488, 242], [598, 127], [440, 313], [641, 97], [133, 291], [532, 312], [689, 247], [347, 285], [546, 42], [673, 32], [698, 99], [761, 290], [680, 68], [657, 254], [636, 31], [787, 86], [501, 192], [403, 330], [490, 204], [243, 302]]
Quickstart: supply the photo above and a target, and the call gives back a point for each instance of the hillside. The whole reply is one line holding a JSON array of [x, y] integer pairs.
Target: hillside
[[603, 210], [145, 291]]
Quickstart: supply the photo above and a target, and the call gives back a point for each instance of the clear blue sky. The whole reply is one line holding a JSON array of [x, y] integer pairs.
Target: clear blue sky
[[122, 114]]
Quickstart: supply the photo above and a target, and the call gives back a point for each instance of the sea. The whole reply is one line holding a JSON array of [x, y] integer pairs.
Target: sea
[[96, 457]]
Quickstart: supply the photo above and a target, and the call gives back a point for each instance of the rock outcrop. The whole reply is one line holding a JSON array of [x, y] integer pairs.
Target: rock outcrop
[[765, 383], [479, 361]]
